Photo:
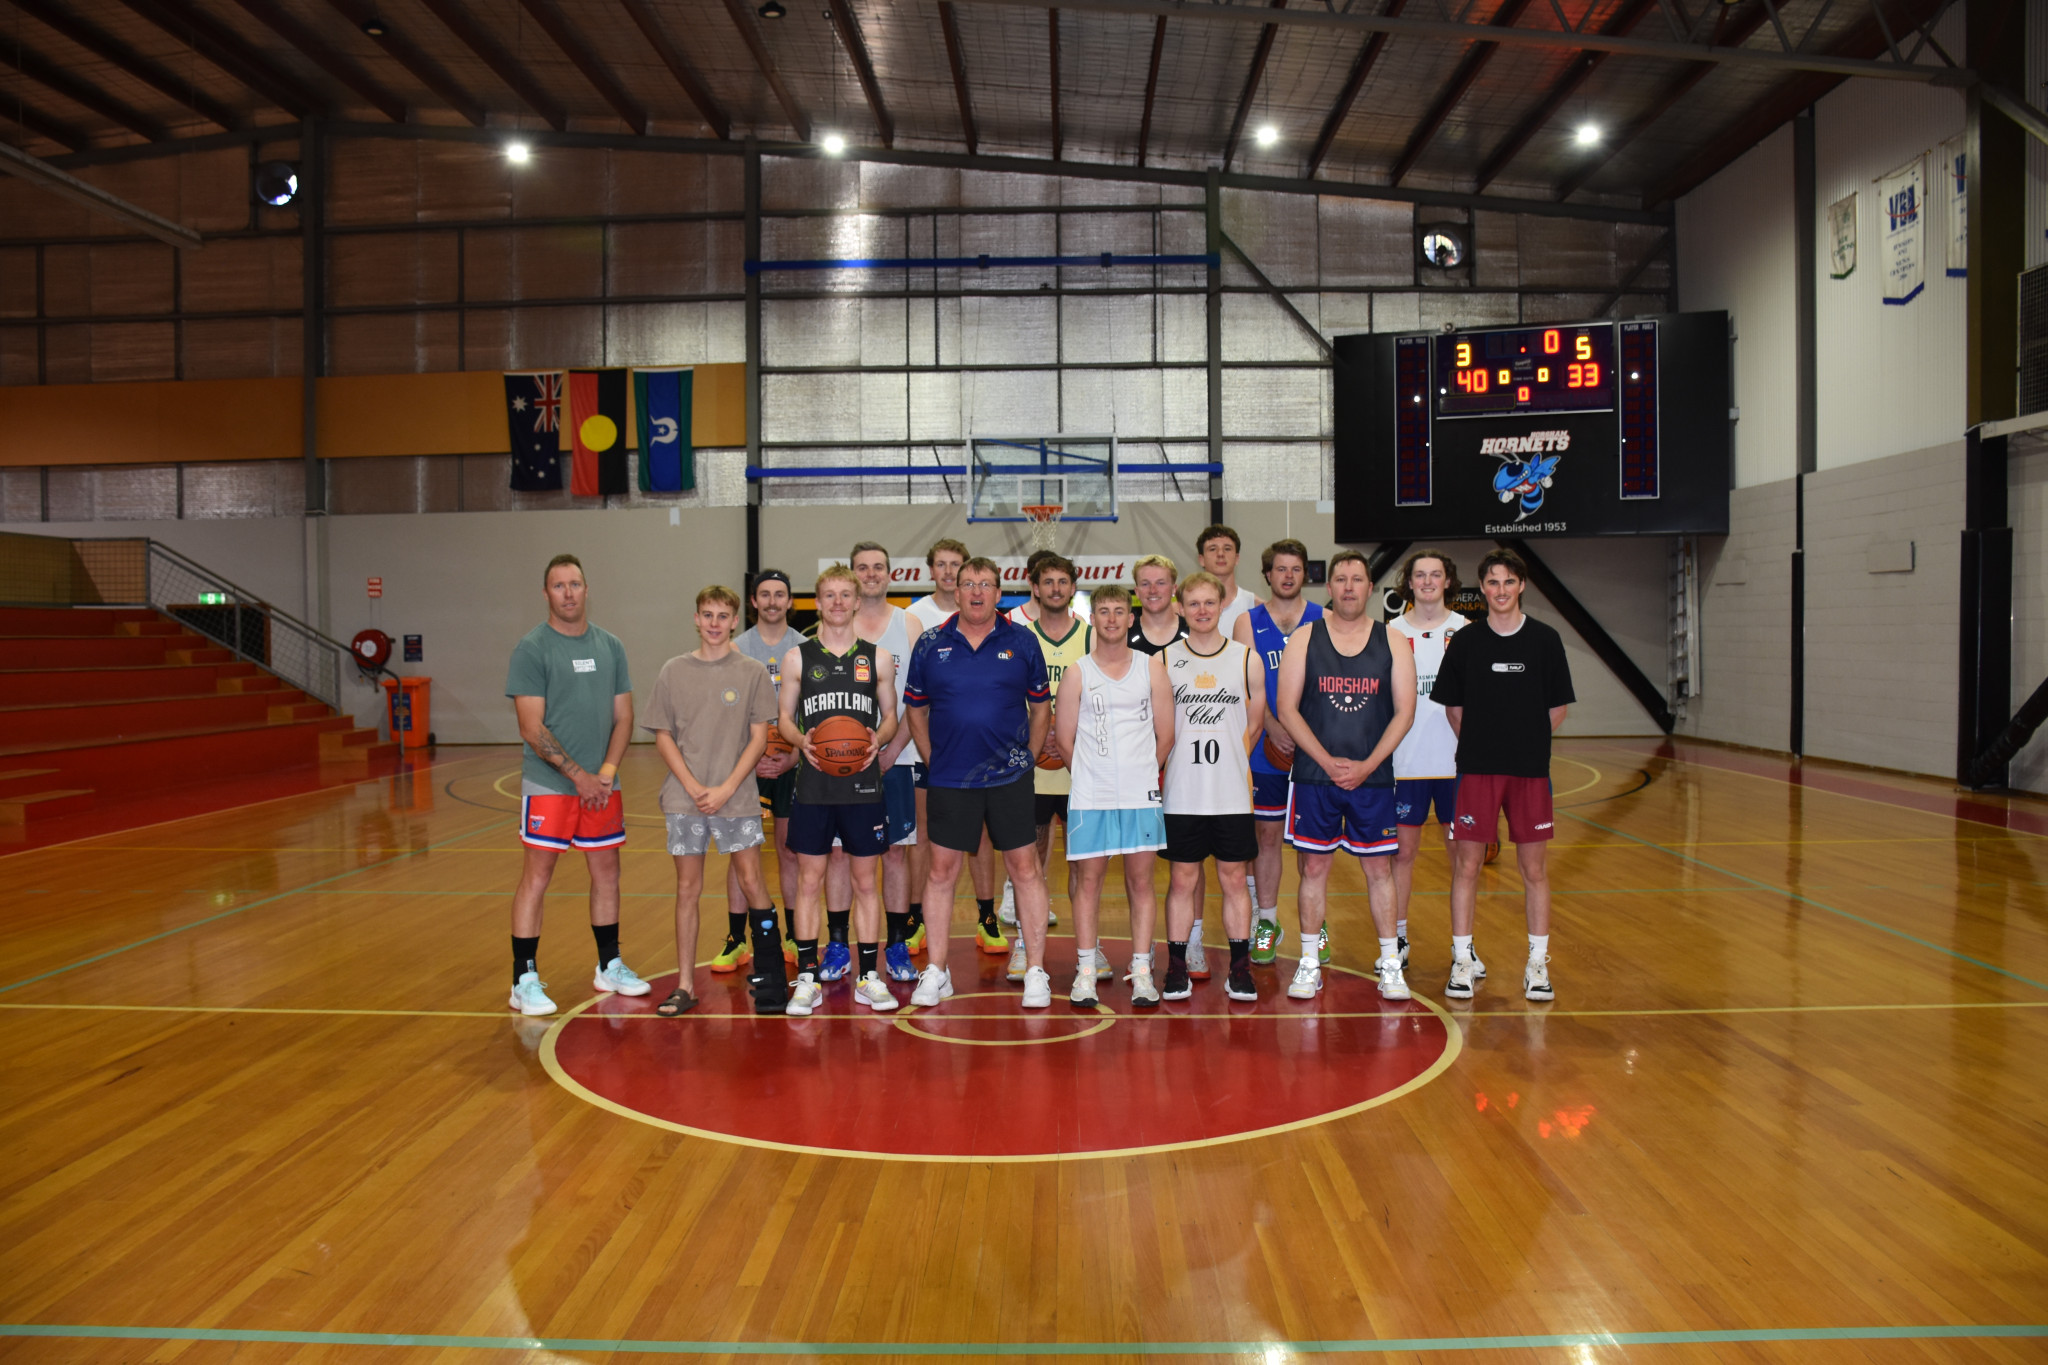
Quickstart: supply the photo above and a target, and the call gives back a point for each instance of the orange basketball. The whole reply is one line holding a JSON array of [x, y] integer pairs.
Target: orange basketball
[[1049, 757], [1283, 760], [777, 745], [842, 744]]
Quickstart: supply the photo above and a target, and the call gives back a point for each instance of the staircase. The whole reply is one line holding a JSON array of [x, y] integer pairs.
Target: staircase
[[130, 702]]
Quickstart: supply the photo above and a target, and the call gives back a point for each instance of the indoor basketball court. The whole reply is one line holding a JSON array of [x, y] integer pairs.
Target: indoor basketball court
[[1614, 436]]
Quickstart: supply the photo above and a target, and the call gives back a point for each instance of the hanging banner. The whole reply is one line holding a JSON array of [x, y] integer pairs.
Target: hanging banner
[[1904, 196], [661, 407], [533, 419], [1842, 238], [1954, 160], [911, 575]]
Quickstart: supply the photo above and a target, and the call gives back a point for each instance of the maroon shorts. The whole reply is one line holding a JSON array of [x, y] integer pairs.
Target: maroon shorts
[[563, 822], [1481, 798]]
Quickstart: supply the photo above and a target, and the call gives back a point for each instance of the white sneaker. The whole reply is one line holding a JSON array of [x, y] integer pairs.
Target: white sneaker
[[1103, 971], [1037, 989], [1198, 961], [871, 991], [1393, 986], [1007, 911], [933, 985], [1536, 980], [1144, 994], [1016, 972], [805, 996], [1478, 967], [1084, 989], [1308, 979], [528, 997], [1459, 987], [616, 977]]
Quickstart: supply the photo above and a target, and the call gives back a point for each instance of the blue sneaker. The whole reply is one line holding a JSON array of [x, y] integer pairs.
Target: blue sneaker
[[896, 957], [838, 962]]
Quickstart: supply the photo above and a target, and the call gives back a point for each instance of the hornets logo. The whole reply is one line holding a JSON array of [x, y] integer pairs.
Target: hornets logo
[[1525, 478]]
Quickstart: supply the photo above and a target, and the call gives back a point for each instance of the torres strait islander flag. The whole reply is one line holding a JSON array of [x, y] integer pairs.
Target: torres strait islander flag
[[661, 404], [597, 407], [533, 419]]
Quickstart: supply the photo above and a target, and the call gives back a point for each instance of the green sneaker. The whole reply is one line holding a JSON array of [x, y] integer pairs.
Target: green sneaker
[[1323, 945], [1266, 936]]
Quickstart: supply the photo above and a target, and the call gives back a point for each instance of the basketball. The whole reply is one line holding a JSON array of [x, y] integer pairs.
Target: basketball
[[843, 745], [1275, 755], [1049, 758], [777, 745]]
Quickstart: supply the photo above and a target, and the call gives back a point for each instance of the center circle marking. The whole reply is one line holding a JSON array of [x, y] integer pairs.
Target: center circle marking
[[903, 1022]]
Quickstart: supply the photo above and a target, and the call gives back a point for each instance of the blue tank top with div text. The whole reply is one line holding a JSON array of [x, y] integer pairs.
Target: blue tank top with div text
[[1269, 642]]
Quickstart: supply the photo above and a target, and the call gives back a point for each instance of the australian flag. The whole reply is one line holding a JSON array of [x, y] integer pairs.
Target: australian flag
[[533, 416]]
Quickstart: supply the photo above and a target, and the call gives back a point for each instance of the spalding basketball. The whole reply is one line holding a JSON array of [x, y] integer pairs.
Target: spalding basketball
[[1279, 758], [777, 745], [843, 745], [1049, 757]]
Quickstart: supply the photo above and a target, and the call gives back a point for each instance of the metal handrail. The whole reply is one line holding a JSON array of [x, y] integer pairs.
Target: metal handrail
[[321, 683]]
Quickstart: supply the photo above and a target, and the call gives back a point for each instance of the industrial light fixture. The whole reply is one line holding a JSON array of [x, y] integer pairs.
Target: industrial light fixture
[[518, 153], [773, 9], [277, 183], [1588, 134], [834, 144], [375, 27], [1267, 135]]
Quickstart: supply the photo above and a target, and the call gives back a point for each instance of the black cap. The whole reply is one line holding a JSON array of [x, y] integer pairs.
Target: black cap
[[772, 576]]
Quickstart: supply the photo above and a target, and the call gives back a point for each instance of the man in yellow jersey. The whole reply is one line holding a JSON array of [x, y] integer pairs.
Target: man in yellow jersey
[[1063, 639]]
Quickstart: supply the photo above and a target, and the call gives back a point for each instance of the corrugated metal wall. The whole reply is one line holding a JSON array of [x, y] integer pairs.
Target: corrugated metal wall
[[442, 256]]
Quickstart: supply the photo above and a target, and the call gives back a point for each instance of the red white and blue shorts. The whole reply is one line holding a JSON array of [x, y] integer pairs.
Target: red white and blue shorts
[[562, 822], [1326, 819], [1269, 795], [1482, 797]]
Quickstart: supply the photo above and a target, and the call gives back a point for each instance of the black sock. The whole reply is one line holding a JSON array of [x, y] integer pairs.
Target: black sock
[[525, 956], [607, 936], [736, 925], [987, 910], [1240, 953], [788, 922], [1177, 953], [916, 915], [899, 927], [807, 956], [867, 958], [836, 923]]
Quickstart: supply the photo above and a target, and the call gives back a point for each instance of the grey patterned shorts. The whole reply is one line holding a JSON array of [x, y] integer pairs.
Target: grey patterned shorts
[[690, 836]]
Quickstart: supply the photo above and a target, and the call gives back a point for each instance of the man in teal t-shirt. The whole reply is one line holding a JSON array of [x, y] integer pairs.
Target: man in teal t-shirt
[[574, 700]]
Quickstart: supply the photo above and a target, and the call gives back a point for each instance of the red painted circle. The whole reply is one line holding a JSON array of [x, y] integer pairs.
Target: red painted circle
[[981, 1078]]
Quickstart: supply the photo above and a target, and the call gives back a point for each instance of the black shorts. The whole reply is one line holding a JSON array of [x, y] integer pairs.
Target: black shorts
[[778, 794], [956, 816], [1045, 805], [862, 830], [1226, 838]]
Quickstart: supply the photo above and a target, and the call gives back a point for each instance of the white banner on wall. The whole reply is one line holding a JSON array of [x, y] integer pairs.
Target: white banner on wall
[[1903, 197], [911, 575], [1842, 238], [1954, 159]]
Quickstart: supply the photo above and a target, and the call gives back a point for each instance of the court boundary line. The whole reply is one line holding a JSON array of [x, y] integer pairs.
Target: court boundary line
[[1363, 1346], [1790, 894], [236, 910]]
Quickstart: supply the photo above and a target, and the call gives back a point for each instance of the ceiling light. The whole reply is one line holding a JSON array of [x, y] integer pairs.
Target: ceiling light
[[1588, 134], [518, 153], [834, 144], [374, 27], [1267, 135], [772, 10]]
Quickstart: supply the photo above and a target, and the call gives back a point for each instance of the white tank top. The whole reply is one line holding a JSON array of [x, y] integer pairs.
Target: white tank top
[[927, 613], [1208, 771], [1115, 765], [896, 639], [1430, 748]]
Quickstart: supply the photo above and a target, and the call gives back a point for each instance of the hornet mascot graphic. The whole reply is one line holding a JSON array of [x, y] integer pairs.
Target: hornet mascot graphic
[[1525, 477]]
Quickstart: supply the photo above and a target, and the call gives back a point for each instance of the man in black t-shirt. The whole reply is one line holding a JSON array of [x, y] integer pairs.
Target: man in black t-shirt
[[1505, 685]]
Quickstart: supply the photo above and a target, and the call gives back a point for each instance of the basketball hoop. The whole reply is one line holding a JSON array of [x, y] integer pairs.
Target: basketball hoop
[[1045, 522]]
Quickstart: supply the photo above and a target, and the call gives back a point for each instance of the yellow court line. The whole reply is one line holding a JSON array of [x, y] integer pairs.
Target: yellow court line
[[1597, 775], [265, 1009]]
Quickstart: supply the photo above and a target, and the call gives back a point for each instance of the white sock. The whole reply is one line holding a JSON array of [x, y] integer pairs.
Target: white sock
[[1195, 934], [1143, 959], [1390, 948], [1461, 947], [1400, 928], [1539, 947], [1270, 914]]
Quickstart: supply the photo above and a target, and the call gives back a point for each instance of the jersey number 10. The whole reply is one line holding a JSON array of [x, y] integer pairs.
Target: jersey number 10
[[1205, 750]]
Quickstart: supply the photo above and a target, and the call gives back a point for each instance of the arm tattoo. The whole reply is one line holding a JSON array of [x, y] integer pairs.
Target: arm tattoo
[[552, 753]]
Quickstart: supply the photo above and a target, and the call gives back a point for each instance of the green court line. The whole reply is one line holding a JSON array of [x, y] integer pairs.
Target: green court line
[[1366, 1346], [225, 914], [1818, 905]]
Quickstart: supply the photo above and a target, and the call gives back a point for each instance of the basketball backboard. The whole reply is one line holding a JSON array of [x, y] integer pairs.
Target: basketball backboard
[[1008, 474]]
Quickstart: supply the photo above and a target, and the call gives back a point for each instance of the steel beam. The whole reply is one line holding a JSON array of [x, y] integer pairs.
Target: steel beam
[[1151, 89], [584, 58], [1461, 81], [312, 204], [1052, 34], [1279, 296], [407, 54], [1584, 65], [1212, 219], [1355, 82], [503, 65], [36, 171], [32, 120], [228, 50], [956, 58], [53, 15], [324, 55], [693, 86], [1228, 11], [848, 24], [86, 95], [1251, 86], [1647, 694], [743, 20]]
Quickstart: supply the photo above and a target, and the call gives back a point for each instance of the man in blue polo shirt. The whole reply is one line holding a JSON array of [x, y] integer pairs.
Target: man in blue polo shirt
[[978, 705]]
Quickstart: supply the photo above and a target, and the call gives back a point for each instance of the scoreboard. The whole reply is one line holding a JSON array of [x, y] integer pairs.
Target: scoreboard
[[1608, 428]]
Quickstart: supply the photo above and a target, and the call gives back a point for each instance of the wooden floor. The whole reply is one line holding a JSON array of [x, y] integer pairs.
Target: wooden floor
[[263, 1103]]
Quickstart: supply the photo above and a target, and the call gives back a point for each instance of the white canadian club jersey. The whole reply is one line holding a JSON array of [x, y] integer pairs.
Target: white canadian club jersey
[[1115, 763], [1430, 748], [1208, 771]]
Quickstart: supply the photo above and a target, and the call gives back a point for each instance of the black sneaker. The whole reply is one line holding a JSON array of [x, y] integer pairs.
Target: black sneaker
[[1402, 945], [1177, 986], [1240, 986]]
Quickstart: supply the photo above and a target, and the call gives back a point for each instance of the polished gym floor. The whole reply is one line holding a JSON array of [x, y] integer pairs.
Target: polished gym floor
[[263, 1102]]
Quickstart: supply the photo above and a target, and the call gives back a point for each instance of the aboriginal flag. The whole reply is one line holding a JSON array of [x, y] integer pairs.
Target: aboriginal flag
[[533, 419], [597, 407]]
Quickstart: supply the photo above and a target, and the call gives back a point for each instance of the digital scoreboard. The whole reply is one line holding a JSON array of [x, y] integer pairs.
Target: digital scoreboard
[[1609, 428]]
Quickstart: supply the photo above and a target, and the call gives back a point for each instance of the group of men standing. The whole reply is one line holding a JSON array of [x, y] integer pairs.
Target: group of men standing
[[1190, 719]]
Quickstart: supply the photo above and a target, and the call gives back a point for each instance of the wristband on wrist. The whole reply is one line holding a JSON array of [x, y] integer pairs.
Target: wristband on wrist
[[608, 771]]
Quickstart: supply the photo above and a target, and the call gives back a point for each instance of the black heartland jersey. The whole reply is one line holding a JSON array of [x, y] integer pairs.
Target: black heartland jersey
[[838, 685], [1348, 702]]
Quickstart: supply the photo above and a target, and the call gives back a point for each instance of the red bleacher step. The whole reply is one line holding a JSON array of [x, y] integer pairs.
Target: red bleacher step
[[19, 810], [21, 780], [297, 710]]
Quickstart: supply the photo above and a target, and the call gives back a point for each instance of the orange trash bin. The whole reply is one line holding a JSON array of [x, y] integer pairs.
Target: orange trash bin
[[409, 705]]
